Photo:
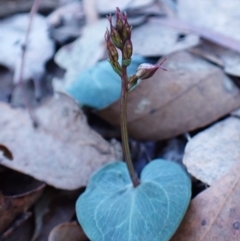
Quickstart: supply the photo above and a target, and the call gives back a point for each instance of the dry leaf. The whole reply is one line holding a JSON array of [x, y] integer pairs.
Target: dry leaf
[[67, 231], [222, 17], [81, 54], [206, 33], [224, 57], [212, 152], [191, 94], [16, 200], [39, 49], [160, 40], [214, 214], [63, 151], [108, 6]]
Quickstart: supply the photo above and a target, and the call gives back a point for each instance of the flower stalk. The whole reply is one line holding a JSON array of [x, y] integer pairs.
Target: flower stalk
[[119, 36], [124, 131]]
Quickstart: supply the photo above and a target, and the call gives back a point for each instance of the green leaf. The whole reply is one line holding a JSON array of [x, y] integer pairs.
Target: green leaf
[[99, 86], [111, 209]]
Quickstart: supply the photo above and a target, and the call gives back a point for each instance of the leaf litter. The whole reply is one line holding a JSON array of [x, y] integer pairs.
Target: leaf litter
[[223, 17], [197, 97], [221, 56], [14, 28], [211, 154]]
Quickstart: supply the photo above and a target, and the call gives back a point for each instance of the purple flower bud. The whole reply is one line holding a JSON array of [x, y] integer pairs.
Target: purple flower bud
[[127, 49], [127, 29], [146, 71], [115, 36], [112, 51], [120, 21]]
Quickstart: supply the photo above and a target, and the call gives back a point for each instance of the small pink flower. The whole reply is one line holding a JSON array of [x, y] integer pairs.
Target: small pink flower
[[146, 71]]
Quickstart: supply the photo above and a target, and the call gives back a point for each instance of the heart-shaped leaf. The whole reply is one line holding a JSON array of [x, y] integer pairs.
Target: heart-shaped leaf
[[112, 209]]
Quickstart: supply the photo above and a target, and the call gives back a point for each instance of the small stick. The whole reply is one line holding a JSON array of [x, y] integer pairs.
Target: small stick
[[24, 217], [23, 57]]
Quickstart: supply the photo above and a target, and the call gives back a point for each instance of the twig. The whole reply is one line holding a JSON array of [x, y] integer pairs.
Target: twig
[[23, 57], [15, 225]]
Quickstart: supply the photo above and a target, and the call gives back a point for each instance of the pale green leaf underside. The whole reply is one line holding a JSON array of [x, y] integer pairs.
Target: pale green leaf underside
[[112, 210], [99, 86]]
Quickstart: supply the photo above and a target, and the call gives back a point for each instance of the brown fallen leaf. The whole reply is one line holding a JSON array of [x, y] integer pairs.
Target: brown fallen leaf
[[210, 154], [18, 193], [63, 151], [160, 40], [67, 231], [215, 213], [191, 94]]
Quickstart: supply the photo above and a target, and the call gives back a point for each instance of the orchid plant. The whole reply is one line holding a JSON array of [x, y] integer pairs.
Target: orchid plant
[[118, 205]]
